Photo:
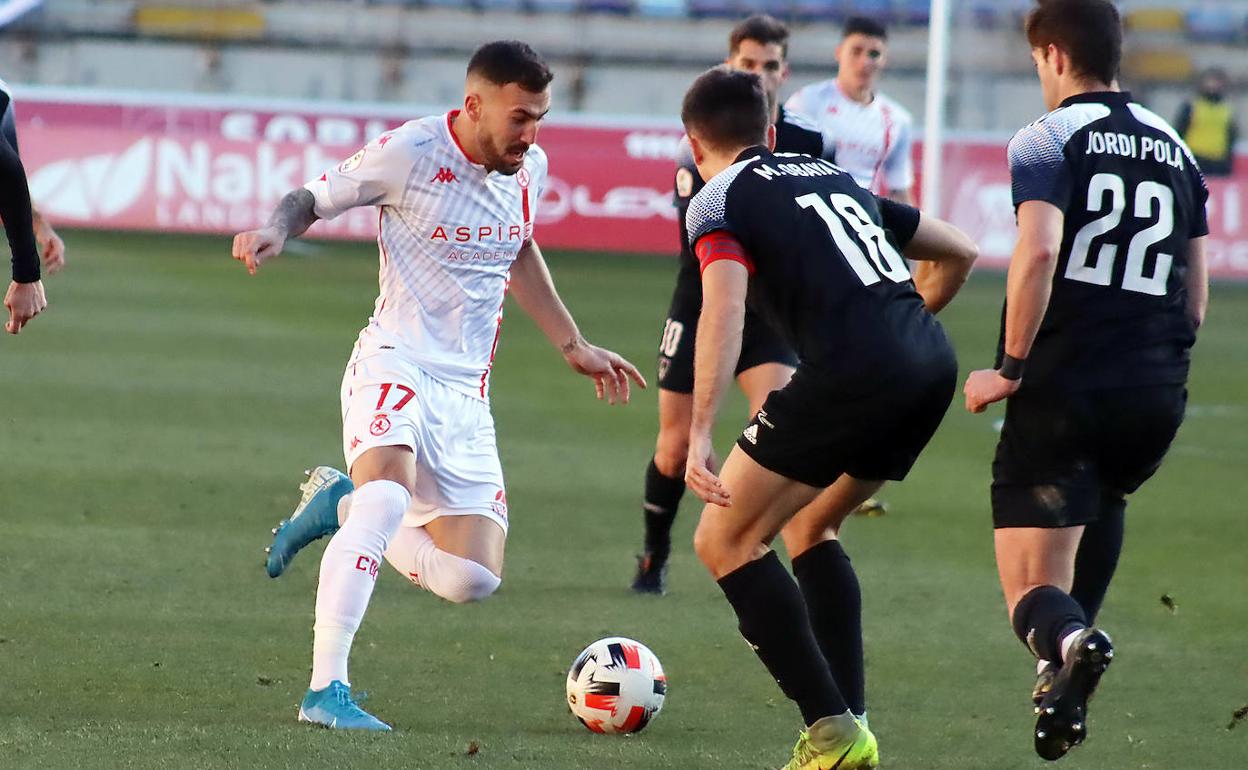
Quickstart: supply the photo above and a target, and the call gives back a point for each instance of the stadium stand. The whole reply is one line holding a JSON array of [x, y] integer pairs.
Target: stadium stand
[[610, 56]]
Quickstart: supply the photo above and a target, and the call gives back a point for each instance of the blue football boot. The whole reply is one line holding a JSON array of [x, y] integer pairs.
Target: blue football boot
[[334, 708], [315, 517]]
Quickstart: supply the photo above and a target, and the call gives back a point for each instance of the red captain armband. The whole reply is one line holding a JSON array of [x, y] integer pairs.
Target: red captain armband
[[720, 244]]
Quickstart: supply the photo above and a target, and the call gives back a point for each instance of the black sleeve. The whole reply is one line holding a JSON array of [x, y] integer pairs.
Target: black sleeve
[[8, 121], [16, 212], [899, 219]]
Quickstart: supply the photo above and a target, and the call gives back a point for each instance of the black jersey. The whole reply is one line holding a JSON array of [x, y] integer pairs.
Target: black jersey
[[824, 273], [793, 134], [1133, 197], [8, 121], [15, 197]]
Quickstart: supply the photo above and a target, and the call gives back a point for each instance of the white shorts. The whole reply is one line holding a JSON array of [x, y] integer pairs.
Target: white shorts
[[388, 401]]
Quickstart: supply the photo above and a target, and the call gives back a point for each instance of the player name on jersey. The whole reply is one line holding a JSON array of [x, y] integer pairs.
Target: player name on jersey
[[1137, 147], [809, 168]]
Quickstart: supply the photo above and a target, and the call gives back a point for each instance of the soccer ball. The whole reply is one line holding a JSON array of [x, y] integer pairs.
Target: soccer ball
[[616, 685]]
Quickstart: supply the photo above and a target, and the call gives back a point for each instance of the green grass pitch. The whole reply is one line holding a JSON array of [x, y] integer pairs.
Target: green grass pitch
[[154, 425]]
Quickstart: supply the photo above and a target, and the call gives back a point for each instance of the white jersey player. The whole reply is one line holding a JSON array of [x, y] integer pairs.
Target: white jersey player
[[872, 133], [456, 197]]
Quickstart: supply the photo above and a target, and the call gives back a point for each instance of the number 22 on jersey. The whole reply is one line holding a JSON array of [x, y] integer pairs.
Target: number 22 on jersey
[[1100, 271], [879, 257]]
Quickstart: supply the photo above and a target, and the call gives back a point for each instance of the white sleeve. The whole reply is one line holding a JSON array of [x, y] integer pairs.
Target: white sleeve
[[899, 165], [375, 176], [799, 104]]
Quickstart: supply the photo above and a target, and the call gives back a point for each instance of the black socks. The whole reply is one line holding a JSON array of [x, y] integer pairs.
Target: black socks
[[772, 617], [1044, 617], [661, 501], [834, 602], [1097, 557]]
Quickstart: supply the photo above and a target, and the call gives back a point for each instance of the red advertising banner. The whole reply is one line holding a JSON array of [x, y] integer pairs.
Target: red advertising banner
[[182, 165]]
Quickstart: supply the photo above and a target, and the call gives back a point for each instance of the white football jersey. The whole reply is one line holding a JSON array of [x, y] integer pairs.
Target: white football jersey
[[872, 140], [448, 232]]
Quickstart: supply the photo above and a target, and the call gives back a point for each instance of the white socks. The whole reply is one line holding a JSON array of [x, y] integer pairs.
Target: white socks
[[348, 573], [1069, 640], [413, 553]]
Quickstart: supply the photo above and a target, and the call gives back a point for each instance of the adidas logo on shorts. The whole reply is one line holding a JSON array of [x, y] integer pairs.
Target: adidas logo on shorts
[[751, 434]]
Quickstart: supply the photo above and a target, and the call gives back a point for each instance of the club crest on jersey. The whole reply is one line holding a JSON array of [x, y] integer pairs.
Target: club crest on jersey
[[444, 175], [522, 177], [379, 425], [351, 163]]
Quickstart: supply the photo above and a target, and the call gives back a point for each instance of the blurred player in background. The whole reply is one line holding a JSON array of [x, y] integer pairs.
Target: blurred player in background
[[875, 377], [25, 297], [1107, 287], [872, 133], [759, 45], [456, 196]]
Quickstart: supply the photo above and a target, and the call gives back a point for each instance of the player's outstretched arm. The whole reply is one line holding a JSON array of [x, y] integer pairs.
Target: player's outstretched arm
[[1027, 288], [292, 217], [1197, 280], [718, 346], [535, 292], [25, 297], [945, 255]]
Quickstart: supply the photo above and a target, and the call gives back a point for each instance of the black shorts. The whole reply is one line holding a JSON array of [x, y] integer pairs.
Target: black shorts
[[759, 344], [1064, 456], [810, 433]]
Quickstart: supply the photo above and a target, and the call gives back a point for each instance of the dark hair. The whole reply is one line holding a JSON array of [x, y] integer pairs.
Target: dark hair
[[726, 108], [511, 61], [864, 25], [1089, 31], [760, 28]]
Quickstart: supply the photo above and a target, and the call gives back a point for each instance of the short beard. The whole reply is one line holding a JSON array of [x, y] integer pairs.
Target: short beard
[[494, 159]]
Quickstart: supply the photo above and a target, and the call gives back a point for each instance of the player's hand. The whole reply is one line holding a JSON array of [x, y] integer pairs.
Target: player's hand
[[700, 472], [255, 247], [609, 371], [51, 249], [24, 301], [987, 386]]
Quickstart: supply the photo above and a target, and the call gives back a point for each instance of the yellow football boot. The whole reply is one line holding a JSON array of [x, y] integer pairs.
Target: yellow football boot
[[835, 743]]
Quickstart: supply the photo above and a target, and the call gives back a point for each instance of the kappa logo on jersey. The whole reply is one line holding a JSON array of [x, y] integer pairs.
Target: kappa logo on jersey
[[444, 175], [751, 434], [379, 425]]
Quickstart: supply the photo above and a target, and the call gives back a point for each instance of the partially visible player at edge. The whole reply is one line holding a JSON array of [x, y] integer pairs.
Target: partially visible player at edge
[[759, 44], [872, 133], [1107, 286], [875, 377], [30, 236], [456, 196]]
